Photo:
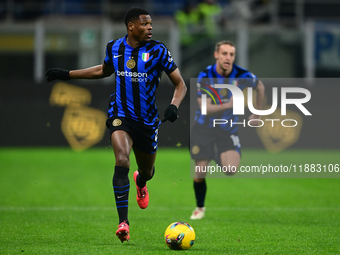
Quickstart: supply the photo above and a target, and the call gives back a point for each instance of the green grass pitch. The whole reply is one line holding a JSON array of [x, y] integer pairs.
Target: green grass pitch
[[56, 201]]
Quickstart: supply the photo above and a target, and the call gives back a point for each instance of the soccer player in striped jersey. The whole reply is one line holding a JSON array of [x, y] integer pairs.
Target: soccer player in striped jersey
[[220, 143], [133, 120]]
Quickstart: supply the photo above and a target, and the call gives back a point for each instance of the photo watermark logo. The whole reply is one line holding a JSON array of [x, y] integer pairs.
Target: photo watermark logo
[[238, 104], [283, 132]]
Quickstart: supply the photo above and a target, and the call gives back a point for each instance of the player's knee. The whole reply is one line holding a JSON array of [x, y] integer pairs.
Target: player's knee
[[147, 173], [232, 169], [199, 179], [123, 161], [199, 175]]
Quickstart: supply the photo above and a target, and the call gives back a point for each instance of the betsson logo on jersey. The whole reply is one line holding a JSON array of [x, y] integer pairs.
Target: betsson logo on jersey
[[135, 77]]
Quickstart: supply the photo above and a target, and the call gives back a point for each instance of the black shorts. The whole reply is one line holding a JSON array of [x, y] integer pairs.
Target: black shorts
[[144, 137], [205, 142]]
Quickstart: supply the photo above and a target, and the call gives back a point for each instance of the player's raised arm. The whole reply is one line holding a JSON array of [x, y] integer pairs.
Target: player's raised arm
[[94, 72], [179, 94], [212, 108]]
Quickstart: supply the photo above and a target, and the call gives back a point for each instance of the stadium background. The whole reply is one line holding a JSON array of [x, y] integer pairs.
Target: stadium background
[[57, 201], [275, 39]]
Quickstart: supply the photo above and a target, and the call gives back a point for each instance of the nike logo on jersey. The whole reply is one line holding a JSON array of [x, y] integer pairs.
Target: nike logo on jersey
[[117, 56], [121, 196]]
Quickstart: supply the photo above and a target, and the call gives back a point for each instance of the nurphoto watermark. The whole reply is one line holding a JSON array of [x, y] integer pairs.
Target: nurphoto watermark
[[294, 116]]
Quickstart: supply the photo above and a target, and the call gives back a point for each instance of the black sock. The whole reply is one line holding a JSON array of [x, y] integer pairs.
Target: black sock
[[141, 181], [200, 191], [121, 187]]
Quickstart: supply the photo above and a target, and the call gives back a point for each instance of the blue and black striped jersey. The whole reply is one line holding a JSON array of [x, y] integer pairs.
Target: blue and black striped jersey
[[138, 72], [239, 77]]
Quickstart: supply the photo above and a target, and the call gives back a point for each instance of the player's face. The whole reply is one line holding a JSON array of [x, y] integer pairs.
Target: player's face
[[142, 31], [225, 57]]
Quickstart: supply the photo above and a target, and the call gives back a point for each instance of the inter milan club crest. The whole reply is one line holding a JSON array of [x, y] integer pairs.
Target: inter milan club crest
[[145, 56], [131, 63], [116, 123]]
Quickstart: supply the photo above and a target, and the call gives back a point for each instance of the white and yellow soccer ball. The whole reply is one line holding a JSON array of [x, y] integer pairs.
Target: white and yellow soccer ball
[[179, 236]]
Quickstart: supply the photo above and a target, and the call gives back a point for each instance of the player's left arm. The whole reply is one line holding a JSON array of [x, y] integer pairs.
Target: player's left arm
[[180, 87], [178, 96], [259, 100]]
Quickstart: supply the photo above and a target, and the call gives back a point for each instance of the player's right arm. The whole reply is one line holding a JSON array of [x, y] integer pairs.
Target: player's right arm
[[94, 72], [212, 108]]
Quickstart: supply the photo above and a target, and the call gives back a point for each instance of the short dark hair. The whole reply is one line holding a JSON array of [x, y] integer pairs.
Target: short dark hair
[[217, 46], [133, 14]]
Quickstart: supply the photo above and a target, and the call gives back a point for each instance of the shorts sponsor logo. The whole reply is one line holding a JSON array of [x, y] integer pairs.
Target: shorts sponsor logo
[[195, 149], [116, 123]]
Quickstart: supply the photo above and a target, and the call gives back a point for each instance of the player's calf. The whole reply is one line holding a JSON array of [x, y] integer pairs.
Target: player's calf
[[142, 192]]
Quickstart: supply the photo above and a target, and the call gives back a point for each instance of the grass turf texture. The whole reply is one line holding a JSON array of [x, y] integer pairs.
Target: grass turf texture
[[56, 201]]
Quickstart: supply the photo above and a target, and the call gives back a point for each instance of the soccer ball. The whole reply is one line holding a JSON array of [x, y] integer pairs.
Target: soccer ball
[[179, 236]]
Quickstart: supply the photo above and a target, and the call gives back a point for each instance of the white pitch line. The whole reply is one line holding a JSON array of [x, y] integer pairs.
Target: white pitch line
[[151, 208]]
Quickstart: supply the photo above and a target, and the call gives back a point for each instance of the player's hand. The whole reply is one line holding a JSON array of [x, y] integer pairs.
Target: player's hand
[[57, 74], [170, 113]]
